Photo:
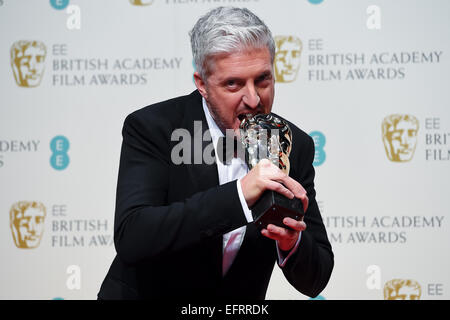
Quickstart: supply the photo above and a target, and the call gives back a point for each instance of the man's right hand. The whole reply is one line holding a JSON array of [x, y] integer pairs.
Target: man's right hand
[[267, 176]]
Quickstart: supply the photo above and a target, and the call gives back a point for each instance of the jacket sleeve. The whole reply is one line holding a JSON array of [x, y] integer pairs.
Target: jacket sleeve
[[146, 225], [309, 268]]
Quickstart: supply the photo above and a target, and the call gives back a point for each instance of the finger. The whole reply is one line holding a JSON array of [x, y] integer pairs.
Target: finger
[[294, 224], [295, 187], [279, 233], [278, 187], [271, 235], [305, 202], [298, 191]]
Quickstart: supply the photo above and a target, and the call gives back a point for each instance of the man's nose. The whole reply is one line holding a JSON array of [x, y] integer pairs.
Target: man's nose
[[251, 97]]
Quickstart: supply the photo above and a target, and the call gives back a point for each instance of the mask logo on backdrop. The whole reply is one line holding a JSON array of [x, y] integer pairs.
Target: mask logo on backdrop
[[141, 2], [28, 62], [26, 219], [287, 58], [399, 133], [401, 289]]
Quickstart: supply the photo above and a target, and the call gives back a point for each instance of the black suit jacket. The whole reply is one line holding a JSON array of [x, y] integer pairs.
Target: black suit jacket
[[170, 218]]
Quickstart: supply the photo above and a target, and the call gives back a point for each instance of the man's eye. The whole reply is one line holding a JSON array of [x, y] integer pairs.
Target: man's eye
[[262, 79]]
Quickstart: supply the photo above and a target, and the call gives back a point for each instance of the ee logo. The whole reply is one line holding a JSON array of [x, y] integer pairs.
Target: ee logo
[[59, 147], [315, 1], [319, 143], [59, 4]]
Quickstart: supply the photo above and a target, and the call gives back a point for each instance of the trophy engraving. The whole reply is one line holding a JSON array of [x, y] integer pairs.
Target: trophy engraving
[[265, 136]]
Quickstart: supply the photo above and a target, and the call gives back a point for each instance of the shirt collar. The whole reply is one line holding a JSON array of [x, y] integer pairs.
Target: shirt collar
[[214, 130]]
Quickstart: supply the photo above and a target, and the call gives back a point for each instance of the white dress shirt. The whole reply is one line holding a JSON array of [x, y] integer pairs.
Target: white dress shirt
[[234, 170]]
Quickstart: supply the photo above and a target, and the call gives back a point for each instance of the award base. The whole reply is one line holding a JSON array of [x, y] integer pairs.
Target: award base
[[272, 208]]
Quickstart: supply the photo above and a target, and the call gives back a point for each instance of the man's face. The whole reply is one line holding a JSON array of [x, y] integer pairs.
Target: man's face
[[30, 227], [403, 140], [239, 83], [287, 61], [30, 65]]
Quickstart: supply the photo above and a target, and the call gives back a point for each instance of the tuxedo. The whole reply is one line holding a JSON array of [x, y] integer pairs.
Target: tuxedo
[[170, 218]]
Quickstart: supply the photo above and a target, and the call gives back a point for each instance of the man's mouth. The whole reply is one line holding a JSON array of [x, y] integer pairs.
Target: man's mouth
[[243, 116]]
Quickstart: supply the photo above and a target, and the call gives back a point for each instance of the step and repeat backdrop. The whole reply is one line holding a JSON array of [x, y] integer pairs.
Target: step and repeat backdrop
[[368, 80]]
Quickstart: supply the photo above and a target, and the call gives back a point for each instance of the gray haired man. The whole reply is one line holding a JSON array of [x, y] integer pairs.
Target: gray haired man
[[185, 230]]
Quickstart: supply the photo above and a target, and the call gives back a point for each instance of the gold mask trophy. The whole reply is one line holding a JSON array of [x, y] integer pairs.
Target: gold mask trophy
[[265, 136]]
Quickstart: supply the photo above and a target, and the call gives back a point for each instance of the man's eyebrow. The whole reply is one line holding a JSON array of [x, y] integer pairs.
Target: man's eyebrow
[[230, 78], [265, 73]]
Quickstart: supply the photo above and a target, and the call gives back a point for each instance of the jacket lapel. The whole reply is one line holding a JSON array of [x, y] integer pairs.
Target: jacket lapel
[[203, 175]]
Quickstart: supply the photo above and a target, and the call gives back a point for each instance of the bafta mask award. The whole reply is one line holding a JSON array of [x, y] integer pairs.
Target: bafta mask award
[[265, 136]]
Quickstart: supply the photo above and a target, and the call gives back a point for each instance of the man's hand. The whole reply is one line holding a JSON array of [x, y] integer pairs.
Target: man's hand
[[286, 238], [266, 176]]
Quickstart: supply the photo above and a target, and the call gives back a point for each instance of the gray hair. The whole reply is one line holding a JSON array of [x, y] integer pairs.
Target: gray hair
[[226, 30]]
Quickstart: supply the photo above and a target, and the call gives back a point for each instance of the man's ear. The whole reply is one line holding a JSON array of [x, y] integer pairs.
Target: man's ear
[[200, 84]]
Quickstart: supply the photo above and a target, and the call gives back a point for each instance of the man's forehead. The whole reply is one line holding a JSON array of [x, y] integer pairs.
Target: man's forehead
[[241, 61]]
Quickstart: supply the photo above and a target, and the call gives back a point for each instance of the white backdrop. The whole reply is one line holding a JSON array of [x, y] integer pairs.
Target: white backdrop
[[94, 62]]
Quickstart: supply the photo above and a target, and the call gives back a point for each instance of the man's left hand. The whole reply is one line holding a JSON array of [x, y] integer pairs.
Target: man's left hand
[[285, 238]]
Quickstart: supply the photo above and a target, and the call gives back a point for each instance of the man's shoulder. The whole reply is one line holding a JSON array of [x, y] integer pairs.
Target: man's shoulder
[[170, 112], [298, 134]]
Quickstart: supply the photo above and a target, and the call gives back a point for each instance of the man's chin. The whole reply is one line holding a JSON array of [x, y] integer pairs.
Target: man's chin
[[233, 129]]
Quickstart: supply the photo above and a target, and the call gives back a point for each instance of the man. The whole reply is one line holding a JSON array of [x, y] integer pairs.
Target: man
[[184, 230]]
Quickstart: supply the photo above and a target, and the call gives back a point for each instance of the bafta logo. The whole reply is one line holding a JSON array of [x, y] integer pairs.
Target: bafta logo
[[26, 219], [400, 136], [400, 289], [287, 58], [141, 2], [27, 62]]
